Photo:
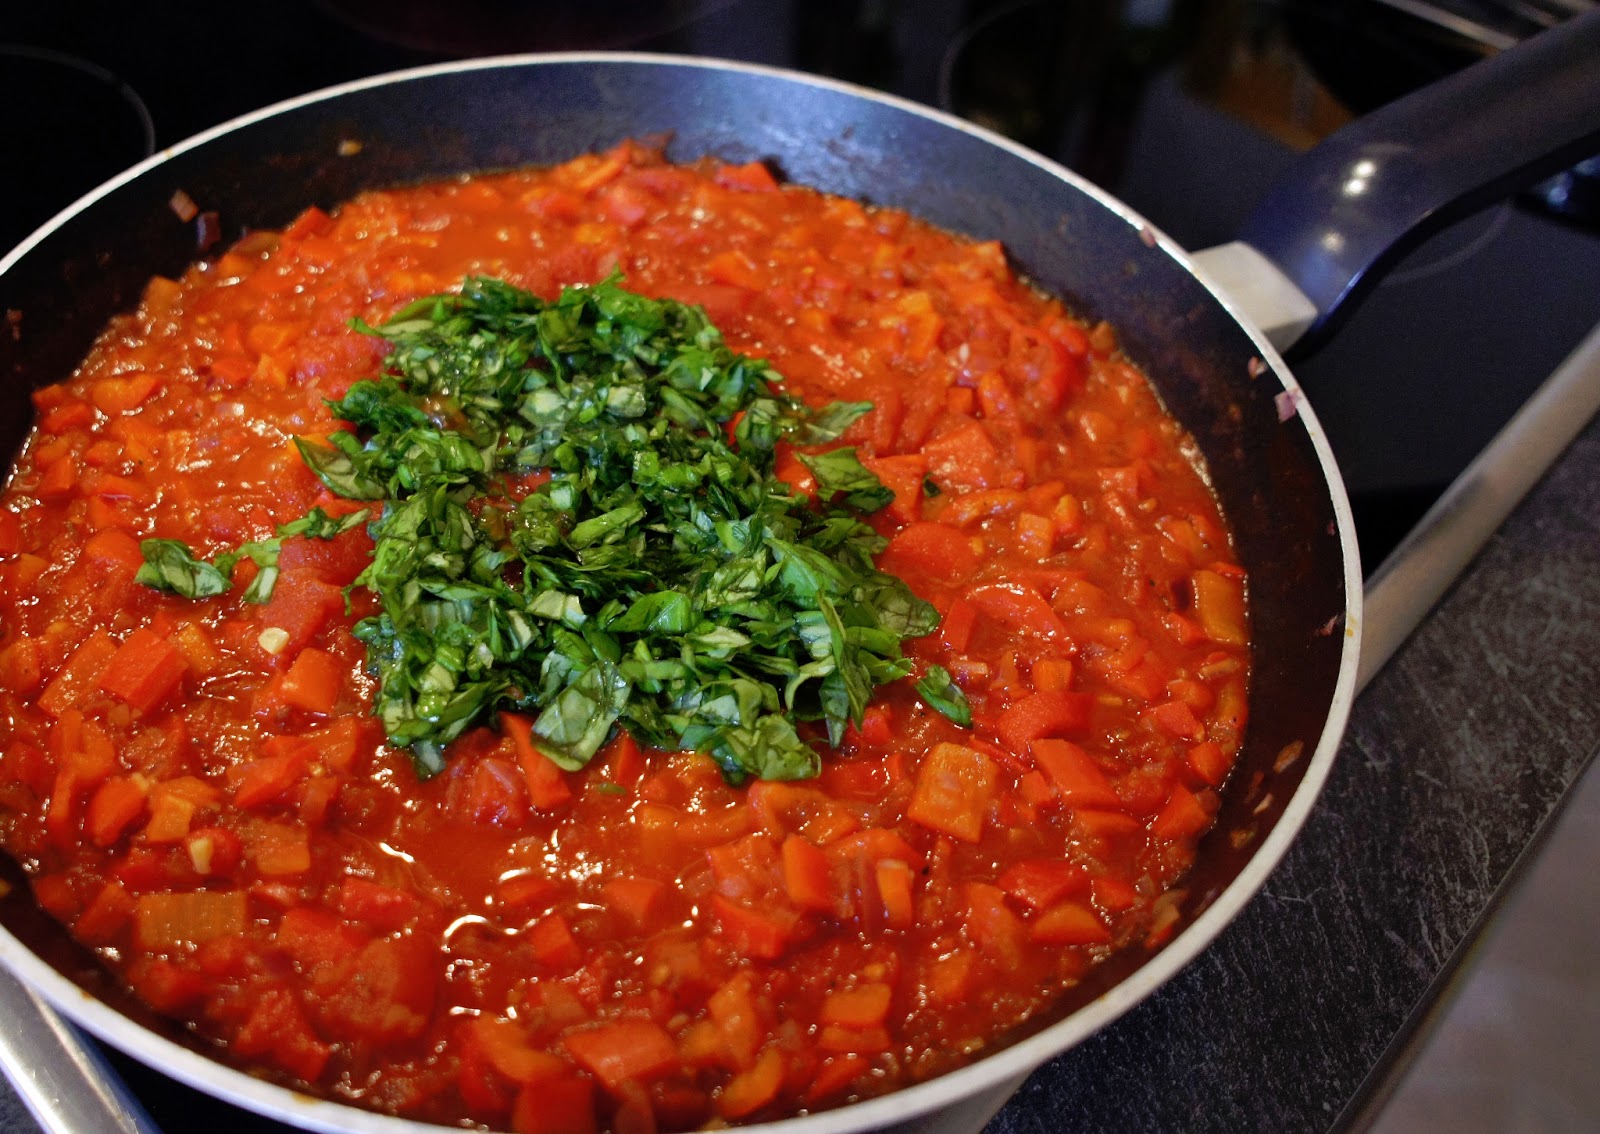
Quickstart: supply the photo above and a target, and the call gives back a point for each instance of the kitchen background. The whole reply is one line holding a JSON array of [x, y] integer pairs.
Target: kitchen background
[[1187, 109]]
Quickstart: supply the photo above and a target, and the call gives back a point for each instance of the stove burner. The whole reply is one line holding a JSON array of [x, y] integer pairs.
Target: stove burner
[[82, 125], [1068, 80]]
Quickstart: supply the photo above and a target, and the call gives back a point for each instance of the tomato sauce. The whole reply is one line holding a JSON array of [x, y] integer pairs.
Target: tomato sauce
[[198, 790]]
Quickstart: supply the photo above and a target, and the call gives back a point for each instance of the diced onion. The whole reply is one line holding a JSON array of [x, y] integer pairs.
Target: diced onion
[[273, 639]]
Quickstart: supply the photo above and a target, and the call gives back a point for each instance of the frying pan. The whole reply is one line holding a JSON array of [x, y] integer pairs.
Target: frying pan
[[1217, 373]]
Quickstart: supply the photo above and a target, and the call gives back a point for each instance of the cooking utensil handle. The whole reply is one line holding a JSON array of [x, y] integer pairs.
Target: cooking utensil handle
[[1349, 209], [61, 1077]]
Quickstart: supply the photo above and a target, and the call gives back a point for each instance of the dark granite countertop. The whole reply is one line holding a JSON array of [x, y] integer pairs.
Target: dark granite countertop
[[1458, 756]]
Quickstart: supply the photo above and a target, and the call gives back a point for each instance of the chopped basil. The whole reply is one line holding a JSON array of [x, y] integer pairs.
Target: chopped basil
[[170, 565], [840, 471], [658, 577], [943, 694]]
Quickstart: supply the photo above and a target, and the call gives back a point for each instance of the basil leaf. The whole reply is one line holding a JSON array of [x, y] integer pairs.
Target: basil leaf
[[169, 565], [840, 471], [944, 695], [829, 423], [339, 470], [317, 524]]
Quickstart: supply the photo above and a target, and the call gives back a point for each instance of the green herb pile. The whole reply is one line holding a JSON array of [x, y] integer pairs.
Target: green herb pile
[[661, 579]]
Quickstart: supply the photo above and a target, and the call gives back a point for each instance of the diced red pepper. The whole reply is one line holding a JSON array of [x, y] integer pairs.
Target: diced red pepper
[[955, 630], [750, 1090], [864, 1006], [904, 476], [144, 671], [1177, 719], [268, 778], [301, 606], [1182, 817], [806, 875], [1017, 607], [1209, 762]]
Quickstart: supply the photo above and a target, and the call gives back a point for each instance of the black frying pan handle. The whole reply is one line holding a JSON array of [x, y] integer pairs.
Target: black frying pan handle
[[1352, 207]]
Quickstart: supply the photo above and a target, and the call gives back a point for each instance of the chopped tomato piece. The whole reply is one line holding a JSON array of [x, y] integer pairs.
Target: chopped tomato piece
[[1046, 714], [79, 676], [936, 551], [1017, 607], [313, 682], [278, 1030], [547, 784], [749, 1091], [1182, 817], [623, 1050], [1069, 923], [387, 909], [389, 996], [766, 934], [1074, 774]]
